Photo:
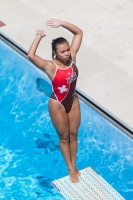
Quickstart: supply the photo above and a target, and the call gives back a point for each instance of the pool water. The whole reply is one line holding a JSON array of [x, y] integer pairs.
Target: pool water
[[30, 157]]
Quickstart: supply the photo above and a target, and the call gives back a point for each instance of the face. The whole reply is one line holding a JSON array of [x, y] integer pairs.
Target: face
[[63, 51]]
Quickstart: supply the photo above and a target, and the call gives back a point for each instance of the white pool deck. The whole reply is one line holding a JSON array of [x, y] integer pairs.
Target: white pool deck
[[105, 60]]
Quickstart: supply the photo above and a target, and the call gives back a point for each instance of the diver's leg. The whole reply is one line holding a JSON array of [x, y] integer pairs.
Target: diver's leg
[[74, 122], [60, 121]]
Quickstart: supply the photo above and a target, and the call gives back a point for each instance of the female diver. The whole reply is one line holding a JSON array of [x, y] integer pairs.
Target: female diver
[[64, 108]]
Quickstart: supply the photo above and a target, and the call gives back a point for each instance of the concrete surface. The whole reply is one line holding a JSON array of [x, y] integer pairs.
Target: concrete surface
[[105, 60]]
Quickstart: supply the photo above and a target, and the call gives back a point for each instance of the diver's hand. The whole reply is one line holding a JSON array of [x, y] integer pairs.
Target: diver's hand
[[54, 23], [40, 32]]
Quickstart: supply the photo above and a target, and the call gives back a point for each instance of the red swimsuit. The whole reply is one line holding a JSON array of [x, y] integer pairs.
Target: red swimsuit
[[63, 85]]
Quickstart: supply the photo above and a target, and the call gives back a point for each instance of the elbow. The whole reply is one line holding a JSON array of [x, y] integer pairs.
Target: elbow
[[81, 32], [30, 56]]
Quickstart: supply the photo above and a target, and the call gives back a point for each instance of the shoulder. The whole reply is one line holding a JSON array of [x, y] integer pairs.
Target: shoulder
[[50, 66]]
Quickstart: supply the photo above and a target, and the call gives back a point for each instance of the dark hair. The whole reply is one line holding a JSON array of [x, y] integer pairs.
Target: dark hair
[[55, 42]]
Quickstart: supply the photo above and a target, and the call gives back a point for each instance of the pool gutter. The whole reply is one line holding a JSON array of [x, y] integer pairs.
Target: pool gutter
[[87, 99]]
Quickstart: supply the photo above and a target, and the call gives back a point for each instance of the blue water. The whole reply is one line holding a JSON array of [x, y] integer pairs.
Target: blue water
[[30, 157]]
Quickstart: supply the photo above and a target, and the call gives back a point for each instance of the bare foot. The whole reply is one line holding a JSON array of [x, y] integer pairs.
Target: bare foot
[[73, 176], [76, 171]]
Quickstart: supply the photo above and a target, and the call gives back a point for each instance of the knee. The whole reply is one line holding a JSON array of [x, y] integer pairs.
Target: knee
[[64, 139], [73, 135]]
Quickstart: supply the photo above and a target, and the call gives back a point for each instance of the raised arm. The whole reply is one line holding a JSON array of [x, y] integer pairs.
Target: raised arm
[[78, 33], [77, 38], [32, 51]]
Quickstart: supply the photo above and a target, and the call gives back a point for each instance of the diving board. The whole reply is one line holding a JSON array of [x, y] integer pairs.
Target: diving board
[[91, 187]]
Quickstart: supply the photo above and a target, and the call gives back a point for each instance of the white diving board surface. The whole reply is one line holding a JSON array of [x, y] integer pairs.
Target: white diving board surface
[[91, 187]]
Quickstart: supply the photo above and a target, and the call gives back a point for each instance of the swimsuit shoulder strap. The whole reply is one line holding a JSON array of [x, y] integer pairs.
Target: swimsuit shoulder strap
[[54, 63], [71, 62]]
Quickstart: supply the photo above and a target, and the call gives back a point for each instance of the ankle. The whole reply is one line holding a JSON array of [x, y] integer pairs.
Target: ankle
[[70, 169]]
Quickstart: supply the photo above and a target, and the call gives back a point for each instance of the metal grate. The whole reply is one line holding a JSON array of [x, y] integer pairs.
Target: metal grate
[[91, 187]]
